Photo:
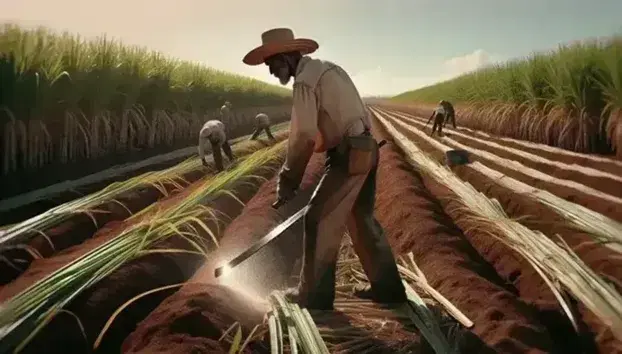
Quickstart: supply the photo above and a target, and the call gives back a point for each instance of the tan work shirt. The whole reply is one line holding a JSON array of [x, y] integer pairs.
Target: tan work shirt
[[213, 131], [326, 107], [262, 120]]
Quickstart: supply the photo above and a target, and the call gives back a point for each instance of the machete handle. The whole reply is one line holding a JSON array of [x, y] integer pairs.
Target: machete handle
[[279, 202], [381, 143]]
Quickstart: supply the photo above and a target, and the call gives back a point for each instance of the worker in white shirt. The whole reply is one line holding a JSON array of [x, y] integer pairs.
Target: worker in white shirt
[[439, 116], [262, 123], [213, 133], [450, 112]]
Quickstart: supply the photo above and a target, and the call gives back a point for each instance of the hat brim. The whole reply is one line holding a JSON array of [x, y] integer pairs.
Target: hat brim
[[260, 54]]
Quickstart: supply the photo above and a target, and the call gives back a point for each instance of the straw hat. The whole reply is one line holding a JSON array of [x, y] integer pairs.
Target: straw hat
[[279, 40]]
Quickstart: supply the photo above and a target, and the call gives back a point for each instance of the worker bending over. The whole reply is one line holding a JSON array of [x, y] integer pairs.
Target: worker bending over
[[329, 116], [262, 123], [213, 132]]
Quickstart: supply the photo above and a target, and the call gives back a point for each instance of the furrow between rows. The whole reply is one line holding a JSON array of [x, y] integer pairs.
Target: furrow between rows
[[499, 239]]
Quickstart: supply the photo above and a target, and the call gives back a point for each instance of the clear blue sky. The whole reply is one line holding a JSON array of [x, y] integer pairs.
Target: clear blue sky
[[388, 47]]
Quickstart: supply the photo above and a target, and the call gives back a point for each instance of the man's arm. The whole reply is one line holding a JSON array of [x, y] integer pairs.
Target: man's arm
[[202, 141], [201, 149], [303, 129], [430, 117]]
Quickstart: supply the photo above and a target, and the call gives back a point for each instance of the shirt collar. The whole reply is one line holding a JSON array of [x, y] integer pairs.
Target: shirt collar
[[301, 64]]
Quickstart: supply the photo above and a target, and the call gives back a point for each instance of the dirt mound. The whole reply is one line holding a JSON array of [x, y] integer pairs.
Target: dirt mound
[[193, 320], [415, 221], [275, 263], [95, 305]]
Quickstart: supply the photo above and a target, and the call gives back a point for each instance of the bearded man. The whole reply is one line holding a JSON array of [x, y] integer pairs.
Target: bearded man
[[329, 116]]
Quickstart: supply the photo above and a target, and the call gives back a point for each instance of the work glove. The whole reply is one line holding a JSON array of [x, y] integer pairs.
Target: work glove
[[285, 191]]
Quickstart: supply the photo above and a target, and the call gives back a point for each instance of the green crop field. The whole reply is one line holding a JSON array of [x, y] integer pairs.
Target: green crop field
[[66, 99], [517, 249], [570, 97]]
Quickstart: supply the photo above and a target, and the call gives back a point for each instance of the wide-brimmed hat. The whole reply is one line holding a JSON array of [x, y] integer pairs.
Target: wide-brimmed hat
[[279, 40]]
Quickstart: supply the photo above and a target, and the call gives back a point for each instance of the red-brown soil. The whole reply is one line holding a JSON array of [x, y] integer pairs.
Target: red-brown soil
[[537, 216], [202, 312], [190, 316], [512, 267], [80, 227], [601, 183], [95, 305], [414, 221], [597, 204], [554, 156], [40, 268]]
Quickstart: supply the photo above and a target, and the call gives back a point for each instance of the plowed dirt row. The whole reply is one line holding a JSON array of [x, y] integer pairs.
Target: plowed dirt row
[[592, 200], [39, 268], [603, 181], [515, 270], [414, 221], [597, 162], [95, 305], [80, 227], [194, 318]]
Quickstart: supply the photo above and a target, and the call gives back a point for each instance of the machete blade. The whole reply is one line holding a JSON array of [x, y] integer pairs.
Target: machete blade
[[276, 232]]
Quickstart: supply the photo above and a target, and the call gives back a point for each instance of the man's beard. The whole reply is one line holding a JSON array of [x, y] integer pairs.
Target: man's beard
[[284, 76]]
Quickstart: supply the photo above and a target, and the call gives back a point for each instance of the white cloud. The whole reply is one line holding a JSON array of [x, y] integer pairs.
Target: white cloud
[[461, 65], [380, 82]]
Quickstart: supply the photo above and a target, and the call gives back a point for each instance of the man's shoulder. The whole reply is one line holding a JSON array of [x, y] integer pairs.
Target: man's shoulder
[[212, 123], [313, 71]]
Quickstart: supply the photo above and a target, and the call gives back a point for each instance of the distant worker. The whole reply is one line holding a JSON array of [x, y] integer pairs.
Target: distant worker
[[439, 115], [262, 123], [328, 116], [225, 113], [449, 111], [213, 133]]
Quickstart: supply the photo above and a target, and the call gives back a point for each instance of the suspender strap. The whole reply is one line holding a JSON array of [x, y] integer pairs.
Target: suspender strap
[[366, 128]]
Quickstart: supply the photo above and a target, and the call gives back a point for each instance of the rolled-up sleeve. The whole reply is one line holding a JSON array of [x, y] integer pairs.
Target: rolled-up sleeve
[[303, 130]]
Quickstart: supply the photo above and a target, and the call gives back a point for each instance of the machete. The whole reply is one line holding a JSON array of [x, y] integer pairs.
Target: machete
[[274, 233]]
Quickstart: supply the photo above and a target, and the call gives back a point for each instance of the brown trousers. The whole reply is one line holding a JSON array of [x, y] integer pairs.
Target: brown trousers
[[342, 200], [258, 131], [216, 147], [450, 117]]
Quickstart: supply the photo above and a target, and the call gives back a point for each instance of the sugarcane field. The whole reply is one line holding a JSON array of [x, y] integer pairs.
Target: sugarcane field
[[150, 204]]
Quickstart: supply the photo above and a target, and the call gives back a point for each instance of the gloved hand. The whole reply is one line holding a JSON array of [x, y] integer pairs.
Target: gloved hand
[[284, 191]]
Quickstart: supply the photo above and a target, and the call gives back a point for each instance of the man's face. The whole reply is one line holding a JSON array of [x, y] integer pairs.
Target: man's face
[[279, 68]]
